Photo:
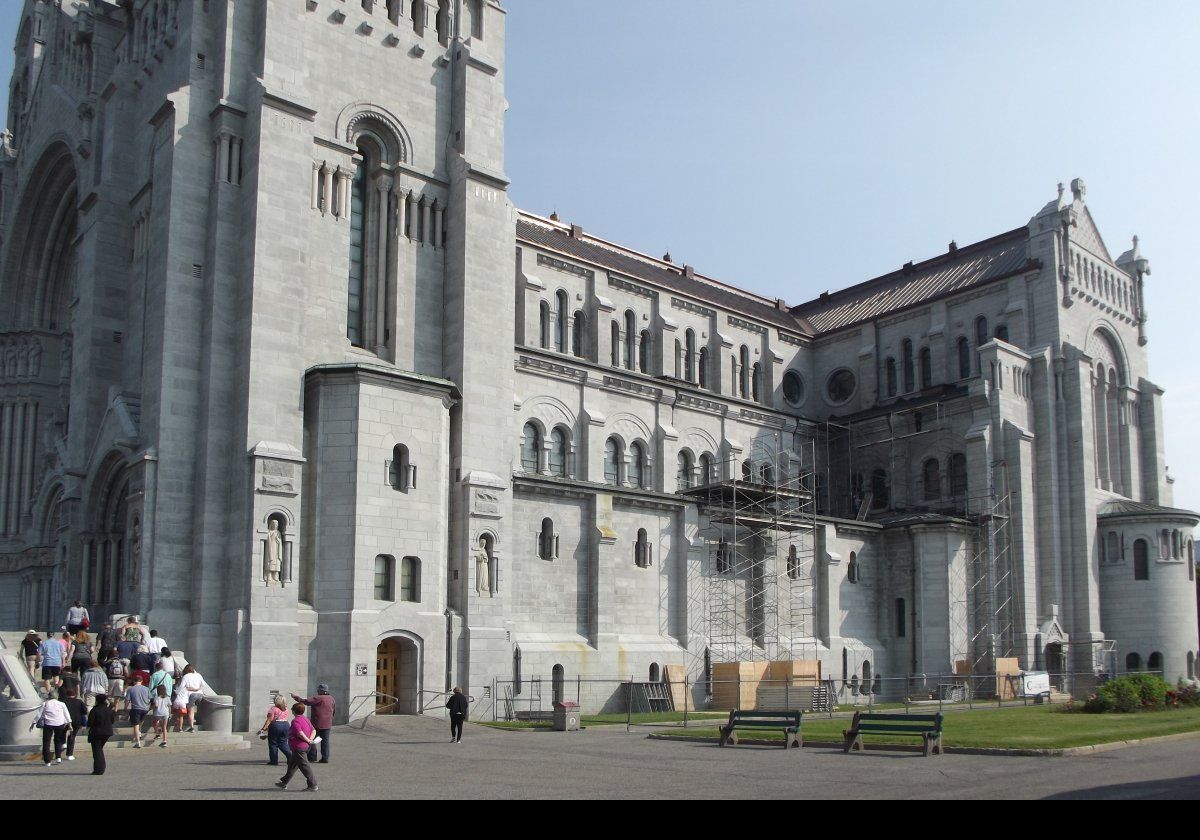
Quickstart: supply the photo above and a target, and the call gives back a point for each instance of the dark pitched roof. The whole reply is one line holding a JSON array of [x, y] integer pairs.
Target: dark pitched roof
[[588, 249], [1117, 508], [982, 262]]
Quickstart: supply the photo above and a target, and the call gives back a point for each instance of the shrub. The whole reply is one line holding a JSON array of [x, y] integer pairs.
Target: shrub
[[1132, 693]]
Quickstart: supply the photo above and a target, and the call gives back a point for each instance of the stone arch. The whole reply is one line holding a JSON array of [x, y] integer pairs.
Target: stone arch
[[549, 412], [358, 118], [49, 499], [628, 428], [699, 441], [1104, 345], [399, 665]]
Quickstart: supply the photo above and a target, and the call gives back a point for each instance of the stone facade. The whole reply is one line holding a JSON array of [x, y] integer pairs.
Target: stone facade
[[261, 275]]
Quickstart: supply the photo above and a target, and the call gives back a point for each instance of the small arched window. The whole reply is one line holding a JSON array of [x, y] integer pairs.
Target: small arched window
[[964, 358], [385, 577], [638, 468], [560, 321], [402, 473], [932, 475], [642, 552], [544, 325], [630, 338], [958, 474], [926, 368], [547, 542], [684, 472], [879, 489], [706, 469], [1155, 662], [410, 579], [702, 367], [890, 376], [531, 448], [866, 676], [558, 683], [907, 354], [558, 452], [1133, 662], [579, 327], [690, 355], [981, 331], [612, 461], [852, 570], [747, 471], [1002, 332], [655, 674], [644, 352], [1141, 560], [793, 563], [615, 353]]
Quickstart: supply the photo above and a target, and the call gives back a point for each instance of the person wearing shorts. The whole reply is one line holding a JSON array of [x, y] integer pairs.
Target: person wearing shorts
[[116, 679], [51, 653], [138, 698], [161, 705], [29, 648]]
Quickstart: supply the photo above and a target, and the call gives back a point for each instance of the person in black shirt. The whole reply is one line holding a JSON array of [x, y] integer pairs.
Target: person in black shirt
[[78, 712], [29, 647], [143, 660], [457, 704], [100, 728]]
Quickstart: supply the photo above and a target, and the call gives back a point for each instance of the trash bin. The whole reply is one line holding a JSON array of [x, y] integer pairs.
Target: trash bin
[[216, 713], [566, 717]]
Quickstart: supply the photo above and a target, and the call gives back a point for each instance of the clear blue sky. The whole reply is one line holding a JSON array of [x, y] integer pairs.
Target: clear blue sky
[[796, 147]]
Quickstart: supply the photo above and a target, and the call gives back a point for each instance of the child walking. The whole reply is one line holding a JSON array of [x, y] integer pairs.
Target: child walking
[[162, 712]]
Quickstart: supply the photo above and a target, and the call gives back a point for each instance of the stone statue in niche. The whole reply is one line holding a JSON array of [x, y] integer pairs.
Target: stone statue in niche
[[274, 552], [483, 584], [35, 359], [135, 554]]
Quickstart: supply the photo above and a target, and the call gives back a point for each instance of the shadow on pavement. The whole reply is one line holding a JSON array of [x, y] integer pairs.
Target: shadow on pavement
[[1184, 787]]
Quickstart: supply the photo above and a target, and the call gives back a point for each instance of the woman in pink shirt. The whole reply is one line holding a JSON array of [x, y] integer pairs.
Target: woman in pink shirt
[[301, 736], [275, 729]]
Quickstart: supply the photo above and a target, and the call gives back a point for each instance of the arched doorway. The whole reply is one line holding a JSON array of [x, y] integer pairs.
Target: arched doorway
[[398, 676], [1056, 664]]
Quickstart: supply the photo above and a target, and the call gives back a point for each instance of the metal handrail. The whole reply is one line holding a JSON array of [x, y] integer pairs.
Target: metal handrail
[[367, 696]]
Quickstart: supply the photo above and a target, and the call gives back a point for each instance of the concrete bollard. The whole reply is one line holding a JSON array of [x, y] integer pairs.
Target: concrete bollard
[[216, 714]]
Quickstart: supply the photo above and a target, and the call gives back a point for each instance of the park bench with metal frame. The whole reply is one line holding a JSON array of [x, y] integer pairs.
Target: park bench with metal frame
[[788, 721], [928, 727]]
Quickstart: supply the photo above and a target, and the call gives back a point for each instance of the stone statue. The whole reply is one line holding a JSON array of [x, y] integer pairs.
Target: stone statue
[[274, 552], [135, 555], [483, 585], [35, 359]]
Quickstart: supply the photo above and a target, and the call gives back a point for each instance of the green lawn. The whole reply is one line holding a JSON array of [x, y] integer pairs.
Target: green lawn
[[1033, 727]]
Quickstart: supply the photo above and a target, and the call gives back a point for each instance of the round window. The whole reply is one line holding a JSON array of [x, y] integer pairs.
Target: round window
[[841, 386], [793, 388]]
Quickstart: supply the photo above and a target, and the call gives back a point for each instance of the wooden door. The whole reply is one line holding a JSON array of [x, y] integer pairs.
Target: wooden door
[[387, 676]]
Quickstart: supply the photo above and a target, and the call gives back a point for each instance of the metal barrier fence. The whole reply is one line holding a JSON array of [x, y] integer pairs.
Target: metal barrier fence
[[633, 702]]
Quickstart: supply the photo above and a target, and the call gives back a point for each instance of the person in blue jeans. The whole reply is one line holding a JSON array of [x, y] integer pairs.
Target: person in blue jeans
[[276, 728]]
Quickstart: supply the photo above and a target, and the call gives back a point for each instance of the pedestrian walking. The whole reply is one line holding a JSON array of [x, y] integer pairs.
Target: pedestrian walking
[[156, 643], [275, 729], [55, 722], [77, 618], [68, 682], [187, 694], [117, 672], [301, 738], [101, 720], [161, 677], [458, 705], [50, 653], [138, 698], [132, 631], [29, 649], [107, 641], [161, 703], [321, 711], [78, 714], [93, 683]]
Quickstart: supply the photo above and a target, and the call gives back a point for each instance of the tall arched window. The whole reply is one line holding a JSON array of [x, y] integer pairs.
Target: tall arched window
[[1141, 560], [630, 339], [747, 471], [932, 475], [852, 568], [690, 357], [702, 365], [558, 683], [547, 540], [558, 452], [684, 472], [612, 461], [402, 473], [354, 289], [641, 550], [890, 376], [645, 355], [578, 328], [706, 469], [531, 448], [410, 579], [517, 679], [560, 321], [793, 563], [958, 474], [879, 489], [981, 331], [615, 353], [926, 367], [678, 359], [744, 372], [544, 325], [907, 355], [756, 382], [964, 358], [637, 467]]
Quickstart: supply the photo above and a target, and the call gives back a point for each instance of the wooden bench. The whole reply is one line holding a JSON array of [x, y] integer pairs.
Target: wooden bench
[[929, 727], [788, 721]]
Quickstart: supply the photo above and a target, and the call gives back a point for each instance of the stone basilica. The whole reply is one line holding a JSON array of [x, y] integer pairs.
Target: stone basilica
[[285, 373]]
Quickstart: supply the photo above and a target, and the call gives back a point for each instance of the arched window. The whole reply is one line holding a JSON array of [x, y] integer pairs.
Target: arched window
[[630, 338], [1191, 665], [558, 683], [756, 382], [926, 368], [1133, 662], [655, 674], [866, 676], [531, 448], [747, 471], [517, 680], [1155, 662], [879, 489], [402, 474], [558, 452], [638, 469], [547, 540], [361, 326], [1191, 560], [907, 354], [724, 558], [1141, 560], [544, 325], [683, 475], [410, 579], [890, 376], [852, 568], [901, 619], [964, 358], [612, 461], [579, 326], [560, 321], [644, 352], [845, 665], [744, 371], [678, 359], [385, 577], [702, 367], [615, 355], [1176, 545], [1164, 544], [766, 475], [706, 469], [442, 22], [958, 474], [690, 355], [981, 331], [1112, 547], [1002, 332], [642, 552], [932, 475], [793, 563]]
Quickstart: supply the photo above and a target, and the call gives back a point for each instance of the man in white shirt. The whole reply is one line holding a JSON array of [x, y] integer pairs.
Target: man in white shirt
[[156, 643]]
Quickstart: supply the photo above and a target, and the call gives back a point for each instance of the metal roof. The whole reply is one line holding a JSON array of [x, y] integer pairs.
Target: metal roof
[[1117, 508], [953, 272]]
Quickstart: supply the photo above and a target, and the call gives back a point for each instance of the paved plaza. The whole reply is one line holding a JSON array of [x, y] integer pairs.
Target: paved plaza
[[412, 758]]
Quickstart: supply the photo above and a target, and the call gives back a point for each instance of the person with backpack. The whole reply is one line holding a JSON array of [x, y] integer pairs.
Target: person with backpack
[[116, 672]]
